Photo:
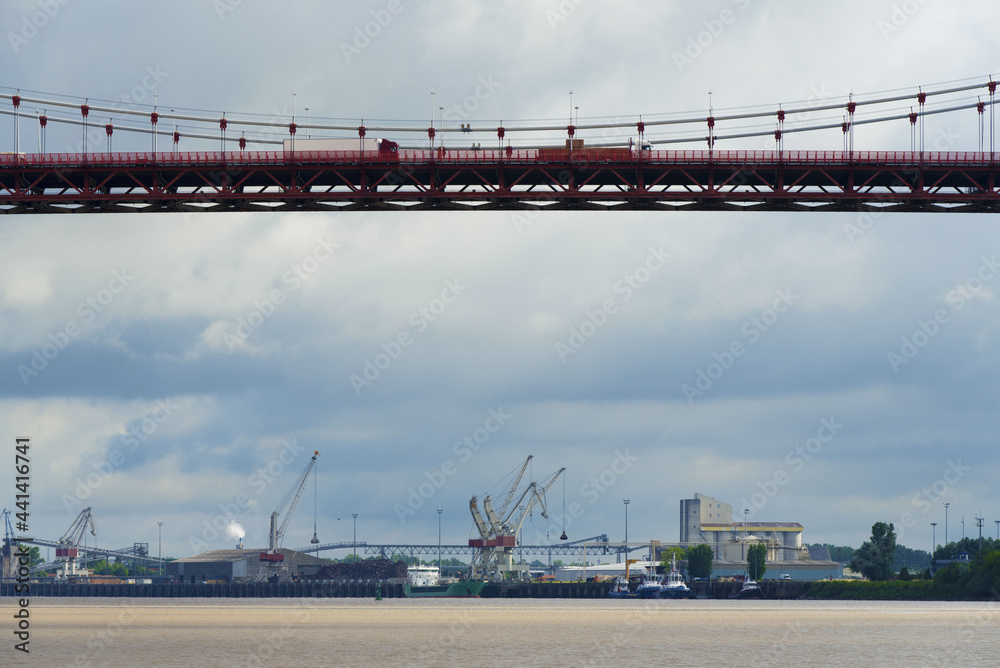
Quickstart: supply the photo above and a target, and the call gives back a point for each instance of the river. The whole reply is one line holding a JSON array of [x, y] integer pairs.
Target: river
[[497, 632]]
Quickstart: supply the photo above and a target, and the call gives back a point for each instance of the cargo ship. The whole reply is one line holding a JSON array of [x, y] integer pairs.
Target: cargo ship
[[424, 581]]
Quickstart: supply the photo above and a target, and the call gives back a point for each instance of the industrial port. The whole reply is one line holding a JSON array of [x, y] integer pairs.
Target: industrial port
[[496, 557]]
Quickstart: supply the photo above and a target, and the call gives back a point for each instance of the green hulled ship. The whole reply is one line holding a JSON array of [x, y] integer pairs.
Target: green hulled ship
[[422, 581]]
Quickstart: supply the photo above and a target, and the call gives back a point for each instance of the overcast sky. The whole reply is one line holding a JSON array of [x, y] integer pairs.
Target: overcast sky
[[196, 351]]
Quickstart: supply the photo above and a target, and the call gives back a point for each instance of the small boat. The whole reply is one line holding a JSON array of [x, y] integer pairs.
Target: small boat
[[620, 588], [750, 589], [650, 586], [673, 584]]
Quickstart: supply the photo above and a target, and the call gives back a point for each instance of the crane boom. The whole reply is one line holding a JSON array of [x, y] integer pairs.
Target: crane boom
[[292, 500], [495, 522], [484, 531], [514, 486], [536, 497], [74, 535]]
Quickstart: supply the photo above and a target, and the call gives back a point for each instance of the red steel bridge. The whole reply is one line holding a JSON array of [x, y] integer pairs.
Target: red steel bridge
[[544, 165]]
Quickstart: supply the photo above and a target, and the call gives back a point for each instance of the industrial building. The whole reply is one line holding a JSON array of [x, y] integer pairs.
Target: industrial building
[[244, 565], [707, 520]]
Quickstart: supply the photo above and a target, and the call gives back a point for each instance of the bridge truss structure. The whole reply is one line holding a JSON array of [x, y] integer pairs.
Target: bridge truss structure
[[542, 165]]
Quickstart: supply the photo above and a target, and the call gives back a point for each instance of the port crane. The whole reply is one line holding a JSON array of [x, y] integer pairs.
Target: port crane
[[287, 506], [68, 546], [493, 558]]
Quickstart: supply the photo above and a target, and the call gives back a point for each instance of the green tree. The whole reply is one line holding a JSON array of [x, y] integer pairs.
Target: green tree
[[875, 557], [756, 560], [668, 552], [34, 556], [699, 560]]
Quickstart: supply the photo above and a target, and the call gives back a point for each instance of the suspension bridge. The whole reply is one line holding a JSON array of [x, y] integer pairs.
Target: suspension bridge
[[245, 162]]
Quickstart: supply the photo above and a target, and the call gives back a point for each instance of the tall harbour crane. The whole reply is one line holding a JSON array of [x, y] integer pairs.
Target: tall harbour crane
[[68, 546], [494, 556], [287, 506]]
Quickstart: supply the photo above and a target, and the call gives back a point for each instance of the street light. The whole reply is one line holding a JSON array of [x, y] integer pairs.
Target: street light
[[946, 523], [626, 502], [742, 551], [355, 515], [933, 537], [159, 545], [998, 528], [440, 510]]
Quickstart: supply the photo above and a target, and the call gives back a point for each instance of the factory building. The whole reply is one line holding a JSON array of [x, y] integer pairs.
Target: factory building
[[247, 564], [707, 520]]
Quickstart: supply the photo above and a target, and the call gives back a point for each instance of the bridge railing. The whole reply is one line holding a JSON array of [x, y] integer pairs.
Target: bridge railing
[[752, 158]]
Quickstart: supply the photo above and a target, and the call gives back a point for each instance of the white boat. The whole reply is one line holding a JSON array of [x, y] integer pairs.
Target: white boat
[[750, 589], [673, 584], [650, 585], [620, 588]]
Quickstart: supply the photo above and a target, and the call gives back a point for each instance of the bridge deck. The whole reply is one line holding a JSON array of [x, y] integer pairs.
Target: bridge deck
[[599, 179]]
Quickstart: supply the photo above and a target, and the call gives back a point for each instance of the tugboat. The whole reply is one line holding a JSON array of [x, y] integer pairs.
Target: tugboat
[[650, 586], [750, 589], [620, 588], [673, 585]]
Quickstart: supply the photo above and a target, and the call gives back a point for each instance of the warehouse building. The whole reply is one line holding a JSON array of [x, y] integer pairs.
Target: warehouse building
[[247, 564]]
